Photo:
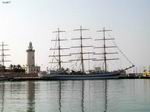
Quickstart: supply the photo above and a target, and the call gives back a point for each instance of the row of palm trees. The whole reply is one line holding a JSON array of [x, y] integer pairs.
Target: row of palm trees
[[15, 66], [12, 68]]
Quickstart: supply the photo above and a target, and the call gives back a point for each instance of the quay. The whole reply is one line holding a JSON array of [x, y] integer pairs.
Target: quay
[[36, 78]]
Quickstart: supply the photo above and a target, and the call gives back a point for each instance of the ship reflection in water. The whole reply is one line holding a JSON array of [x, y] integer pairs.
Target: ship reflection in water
[[75, 96]]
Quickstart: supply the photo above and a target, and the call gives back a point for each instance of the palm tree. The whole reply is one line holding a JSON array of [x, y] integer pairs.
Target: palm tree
[[11, 66], [19, 66]]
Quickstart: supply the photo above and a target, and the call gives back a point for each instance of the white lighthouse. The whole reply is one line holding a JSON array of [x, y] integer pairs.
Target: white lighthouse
[[30, 55], [31, 68]]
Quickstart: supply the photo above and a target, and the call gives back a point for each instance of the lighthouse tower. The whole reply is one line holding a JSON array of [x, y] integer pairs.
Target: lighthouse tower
[[31, 68], [30, 55]]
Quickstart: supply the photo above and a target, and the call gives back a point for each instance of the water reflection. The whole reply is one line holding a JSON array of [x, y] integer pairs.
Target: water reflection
[[105, 95], [82, 96], [2, 87], [59, 101], [31, 97], [75, 96], [70, 96]]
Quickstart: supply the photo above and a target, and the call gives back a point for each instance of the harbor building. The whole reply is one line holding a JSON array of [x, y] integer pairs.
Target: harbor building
[[31, 68]]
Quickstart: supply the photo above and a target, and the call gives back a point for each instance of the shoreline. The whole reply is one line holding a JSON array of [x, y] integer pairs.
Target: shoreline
[[48, 79], [34, 77]]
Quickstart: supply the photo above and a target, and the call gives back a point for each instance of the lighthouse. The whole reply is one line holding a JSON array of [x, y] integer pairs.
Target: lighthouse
[[30, 55], [31, 68]]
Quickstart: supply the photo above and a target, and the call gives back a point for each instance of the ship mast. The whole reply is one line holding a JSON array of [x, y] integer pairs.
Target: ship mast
[[59, 48], [81, 48], [105, 53], [104, 39], [3, 55]]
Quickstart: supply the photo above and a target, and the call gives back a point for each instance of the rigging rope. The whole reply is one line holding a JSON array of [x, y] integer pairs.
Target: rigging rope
[[122, 52]]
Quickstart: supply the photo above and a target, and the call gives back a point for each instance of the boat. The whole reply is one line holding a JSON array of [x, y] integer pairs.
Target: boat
[[56, 76], [65, 74]]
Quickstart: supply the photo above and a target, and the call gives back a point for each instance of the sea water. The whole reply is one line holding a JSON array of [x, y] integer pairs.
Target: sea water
[[76, 96]]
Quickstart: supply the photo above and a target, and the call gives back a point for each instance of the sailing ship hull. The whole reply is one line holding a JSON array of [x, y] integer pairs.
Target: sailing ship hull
[[111, 75]]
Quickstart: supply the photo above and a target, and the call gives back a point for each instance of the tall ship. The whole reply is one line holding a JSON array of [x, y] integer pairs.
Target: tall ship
[[61, 73]]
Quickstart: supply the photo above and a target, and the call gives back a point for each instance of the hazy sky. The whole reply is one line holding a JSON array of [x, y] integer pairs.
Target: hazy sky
[[23, 21]]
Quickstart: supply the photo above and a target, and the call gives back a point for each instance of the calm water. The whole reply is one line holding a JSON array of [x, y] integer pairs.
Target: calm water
[[76, 96]]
